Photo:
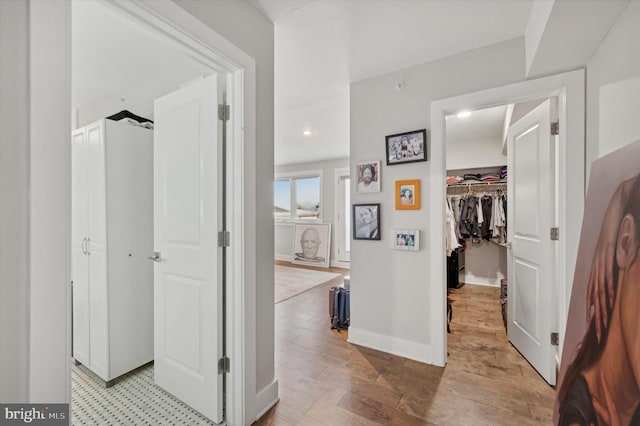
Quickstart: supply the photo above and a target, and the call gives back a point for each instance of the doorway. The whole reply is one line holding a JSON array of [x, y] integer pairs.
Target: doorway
[[569, 88], [124, 22], [498, 200]]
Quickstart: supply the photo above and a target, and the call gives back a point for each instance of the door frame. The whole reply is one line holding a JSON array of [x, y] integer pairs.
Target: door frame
[[569, 87], [50, 130]]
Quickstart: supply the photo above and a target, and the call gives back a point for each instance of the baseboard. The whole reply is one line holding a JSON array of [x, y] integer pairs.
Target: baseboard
[[475, 280], [340, 264], [392, 345], [267, 398]]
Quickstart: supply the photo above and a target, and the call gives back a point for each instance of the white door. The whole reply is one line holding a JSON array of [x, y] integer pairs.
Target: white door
[[343, 215], [187, 286], [530, 215], [79, 257]]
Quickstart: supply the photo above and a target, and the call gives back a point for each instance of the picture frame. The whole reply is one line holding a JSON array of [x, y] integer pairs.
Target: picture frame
[[408, 194], [311, 244], [366, 221], [408, 147], [368, 176], [406, 239]]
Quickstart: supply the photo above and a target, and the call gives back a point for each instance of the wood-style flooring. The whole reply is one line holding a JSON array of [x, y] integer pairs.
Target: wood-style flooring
[[323, 380]]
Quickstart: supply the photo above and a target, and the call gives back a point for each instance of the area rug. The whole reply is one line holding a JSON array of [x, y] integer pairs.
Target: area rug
[[290, 282]]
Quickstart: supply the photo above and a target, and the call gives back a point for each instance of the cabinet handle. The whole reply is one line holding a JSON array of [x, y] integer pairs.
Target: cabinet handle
[[84, 250], [88, 246]]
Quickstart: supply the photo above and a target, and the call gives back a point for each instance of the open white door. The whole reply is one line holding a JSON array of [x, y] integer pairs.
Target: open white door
[[187, 286], [530, 216]]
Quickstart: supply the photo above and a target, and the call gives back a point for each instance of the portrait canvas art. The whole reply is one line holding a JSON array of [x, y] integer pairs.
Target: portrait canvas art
[[407, 147], [366, 221], [600, 366], [408, 194], [368, 179], [312, 244]]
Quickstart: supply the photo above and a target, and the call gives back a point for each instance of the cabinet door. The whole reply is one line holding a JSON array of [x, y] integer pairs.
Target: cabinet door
[[79, 259], [98, 294]]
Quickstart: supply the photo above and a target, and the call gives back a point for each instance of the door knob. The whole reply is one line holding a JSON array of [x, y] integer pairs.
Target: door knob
[[156, 256]]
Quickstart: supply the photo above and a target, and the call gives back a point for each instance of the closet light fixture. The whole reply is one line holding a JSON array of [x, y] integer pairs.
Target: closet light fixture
[[307, 133], [464, 114]]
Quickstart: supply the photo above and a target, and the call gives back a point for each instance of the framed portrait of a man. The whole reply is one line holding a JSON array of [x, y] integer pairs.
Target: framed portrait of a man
[[368, 178], [312, 244]]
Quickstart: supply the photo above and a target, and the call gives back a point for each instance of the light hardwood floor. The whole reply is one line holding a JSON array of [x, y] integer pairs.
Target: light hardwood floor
[[323, 380]]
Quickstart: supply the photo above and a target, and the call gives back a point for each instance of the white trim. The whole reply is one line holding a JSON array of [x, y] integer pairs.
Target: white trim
[[392, 345], [337, 204], [340, 264], [570, 89], [469, 278], [267, 398]]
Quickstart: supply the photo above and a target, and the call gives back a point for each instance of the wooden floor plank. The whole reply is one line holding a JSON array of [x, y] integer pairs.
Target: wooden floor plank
[[324, 380]]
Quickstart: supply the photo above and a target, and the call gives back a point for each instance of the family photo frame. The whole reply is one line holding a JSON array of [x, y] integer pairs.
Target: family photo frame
[[311, 244], [408, 194], [368, 176], [408, 147], [406, 239], [366, 221]]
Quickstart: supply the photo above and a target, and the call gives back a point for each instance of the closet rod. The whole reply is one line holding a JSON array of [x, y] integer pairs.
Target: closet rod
[[468, 186]]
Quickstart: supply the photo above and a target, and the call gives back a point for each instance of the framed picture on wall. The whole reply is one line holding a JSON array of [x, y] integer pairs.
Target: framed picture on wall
[[406, 239], [407, 147], [368, 176], [366, 221], [312, 244], [408, 194]]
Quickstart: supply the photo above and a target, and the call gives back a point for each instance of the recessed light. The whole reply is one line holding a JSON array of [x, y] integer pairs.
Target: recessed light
[[307, 133], [464, 114]]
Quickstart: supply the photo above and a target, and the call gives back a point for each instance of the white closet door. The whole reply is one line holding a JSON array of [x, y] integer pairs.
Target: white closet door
[[531, 261], [79, 258], [187, 319], [98, 296]]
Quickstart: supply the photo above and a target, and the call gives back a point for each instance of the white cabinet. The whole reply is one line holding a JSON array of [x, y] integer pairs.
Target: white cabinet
[[111, 240]]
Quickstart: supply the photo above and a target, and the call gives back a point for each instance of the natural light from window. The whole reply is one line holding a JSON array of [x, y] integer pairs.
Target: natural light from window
[[299, 195]]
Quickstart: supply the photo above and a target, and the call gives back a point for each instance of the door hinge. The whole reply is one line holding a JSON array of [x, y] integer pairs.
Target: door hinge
[[555, 339], [224, 112], [224, 239], [554, 234], [555, 128], [224, 365]]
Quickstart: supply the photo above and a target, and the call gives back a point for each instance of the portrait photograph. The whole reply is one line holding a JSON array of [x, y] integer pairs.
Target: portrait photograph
[[312, 244], [408, 194], [366, 221], [597, 381], [406, 239], [368, 176], [407, 147]]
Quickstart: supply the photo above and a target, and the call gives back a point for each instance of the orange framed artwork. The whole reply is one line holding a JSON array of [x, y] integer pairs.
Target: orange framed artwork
[[408, 194]]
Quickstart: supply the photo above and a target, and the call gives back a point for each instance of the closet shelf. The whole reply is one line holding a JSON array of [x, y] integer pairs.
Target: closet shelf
[[471, 184]]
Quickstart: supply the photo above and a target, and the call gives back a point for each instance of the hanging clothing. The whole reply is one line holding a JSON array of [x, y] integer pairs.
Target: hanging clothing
[[450, 237]]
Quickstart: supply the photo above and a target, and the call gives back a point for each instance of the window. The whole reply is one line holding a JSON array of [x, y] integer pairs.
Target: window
[[297, 197]]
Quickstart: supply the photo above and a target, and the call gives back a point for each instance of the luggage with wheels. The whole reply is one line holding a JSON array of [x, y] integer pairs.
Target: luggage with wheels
[[340, 311]]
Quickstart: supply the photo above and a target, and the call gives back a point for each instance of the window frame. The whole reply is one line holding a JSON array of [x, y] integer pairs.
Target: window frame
[[291, 177]]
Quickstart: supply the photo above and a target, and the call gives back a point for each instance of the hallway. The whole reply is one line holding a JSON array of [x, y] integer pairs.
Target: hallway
[[325, 380]]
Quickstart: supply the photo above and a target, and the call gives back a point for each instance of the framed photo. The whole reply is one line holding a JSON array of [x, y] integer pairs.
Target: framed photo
[[408, 194], [311, 244], [368, 179], [366, 221], [407, 147], [406, 239]]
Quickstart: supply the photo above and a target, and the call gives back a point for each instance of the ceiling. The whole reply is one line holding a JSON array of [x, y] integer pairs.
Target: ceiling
[[481, 124], [110, 55], [321, 46]]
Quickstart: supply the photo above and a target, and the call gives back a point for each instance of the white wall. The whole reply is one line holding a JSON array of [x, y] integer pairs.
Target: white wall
[[613, 88], [139, 97], [248, 29], [390, 289], [14, 208], [284, 231], [485, 263], [475, 153]]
